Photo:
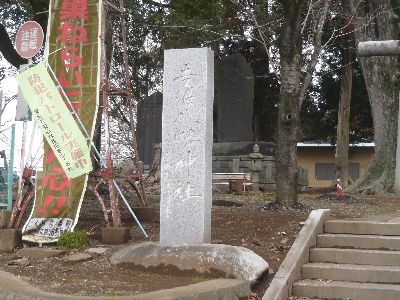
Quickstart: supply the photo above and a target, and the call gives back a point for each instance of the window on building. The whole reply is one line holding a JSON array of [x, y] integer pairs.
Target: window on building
[[326, 171], [354, 170]]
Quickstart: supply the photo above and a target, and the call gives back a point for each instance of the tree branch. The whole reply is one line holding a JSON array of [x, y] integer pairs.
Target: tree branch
[[118, 107], [160, 5], [317, 50], [8, 50]]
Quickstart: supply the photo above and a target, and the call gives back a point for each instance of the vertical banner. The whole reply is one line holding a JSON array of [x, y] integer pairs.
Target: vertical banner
[[73, 45], [58, 126]]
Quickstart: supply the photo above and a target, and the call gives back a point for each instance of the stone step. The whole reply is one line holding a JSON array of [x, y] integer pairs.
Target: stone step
[[355, 256], [350, 272], [346, 290], [361, 227], [330, 240]]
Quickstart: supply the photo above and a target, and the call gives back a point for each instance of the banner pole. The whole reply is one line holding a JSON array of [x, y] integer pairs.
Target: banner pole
[[95, 149], [22, 164], [11, 170]]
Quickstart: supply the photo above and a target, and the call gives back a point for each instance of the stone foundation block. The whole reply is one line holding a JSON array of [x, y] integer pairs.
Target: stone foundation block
[[10, 239], [115, 235], [41, 253], [5, 216], [145, 214]]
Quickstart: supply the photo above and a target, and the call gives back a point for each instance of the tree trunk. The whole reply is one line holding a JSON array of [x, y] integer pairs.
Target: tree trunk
[[379, 73], [289, 104], [342, 141], [8, 50]]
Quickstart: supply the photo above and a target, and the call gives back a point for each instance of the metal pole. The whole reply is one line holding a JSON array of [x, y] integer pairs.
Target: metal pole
[[94, 148], [22, 164], [29, 158], [11, 170]]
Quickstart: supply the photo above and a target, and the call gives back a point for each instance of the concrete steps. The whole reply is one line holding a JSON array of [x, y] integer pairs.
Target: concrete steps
[[351, 272], [346, 290], [353, 260], [355, 256], [362, 227], [377, 242]]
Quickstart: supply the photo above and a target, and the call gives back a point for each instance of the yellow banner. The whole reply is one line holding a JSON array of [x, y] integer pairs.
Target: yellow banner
[[55, 120], [73, 42]]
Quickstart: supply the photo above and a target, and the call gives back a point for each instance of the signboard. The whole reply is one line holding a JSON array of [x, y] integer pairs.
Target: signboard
[[55, 120], [73, 44], [29, 39]]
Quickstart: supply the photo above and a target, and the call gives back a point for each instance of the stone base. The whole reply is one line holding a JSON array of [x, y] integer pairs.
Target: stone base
[[5, 216], [41, 253], [145, 214], [10, 239], [225, 260], [115, 235]]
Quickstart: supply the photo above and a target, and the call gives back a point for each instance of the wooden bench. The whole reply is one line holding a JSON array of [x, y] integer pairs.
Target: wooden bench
[[233, 179]]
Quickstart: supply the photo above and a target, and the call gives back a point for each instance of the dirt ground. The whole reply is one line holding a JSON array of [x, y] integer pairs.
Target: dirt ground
[[239, 220]]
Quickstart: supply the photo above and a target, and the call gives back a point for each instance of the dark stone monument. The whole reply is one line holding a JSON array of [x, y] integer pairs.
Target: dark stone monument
[[234, 100], [149, 126]]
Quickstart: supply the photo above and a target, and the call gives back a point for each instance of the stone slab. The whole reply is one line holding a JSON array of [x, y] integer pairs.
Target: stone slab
[[351, 272], [355, 256], [362, 227], [239, 262], [365, 241], [19, 262], [234, 99], [395, 220], [149, 126], [40, 252], [78, 257], [346, 290], [115, 236], [10, 239], [98, 250], [12, 287], [187, 137], [5, 216]]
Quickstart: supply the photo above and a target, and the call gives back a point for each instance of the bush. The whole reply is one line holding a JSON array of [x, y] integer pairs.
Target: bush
[[73, 240]]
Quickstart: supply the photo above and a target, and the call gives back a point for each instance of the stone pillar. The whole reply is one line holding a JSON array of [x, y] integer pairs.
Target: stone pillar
[[186, 160], [255, 167], [5, 216], [235, 165]]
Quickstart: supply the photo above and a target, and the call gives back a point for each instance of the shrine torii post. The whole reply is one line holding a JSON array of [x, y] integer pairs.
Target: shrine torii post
[[385, 48]]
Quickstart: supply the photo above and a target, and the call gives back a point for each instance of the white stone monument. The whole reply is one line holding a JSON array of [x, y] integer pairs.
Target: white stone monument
[[186, 161]]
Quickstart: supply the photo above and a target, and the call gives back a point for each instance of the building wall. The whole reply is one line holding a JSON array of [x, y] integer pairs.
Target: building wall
[[308, 156]]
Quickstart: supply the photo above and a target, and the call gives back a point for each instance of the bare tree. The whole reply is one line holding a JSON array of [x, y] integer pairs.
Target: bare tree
[[297, 70], [342, 140], [375, 20]]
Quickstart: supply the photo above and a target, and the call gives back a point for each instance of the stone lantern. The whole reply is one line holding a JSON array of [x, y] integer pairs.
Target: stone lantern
[[255, 167]]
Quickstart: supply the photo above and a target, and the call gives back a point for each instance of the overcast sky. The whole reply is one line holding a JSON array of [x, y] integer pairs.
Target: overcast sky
[[9, 87]]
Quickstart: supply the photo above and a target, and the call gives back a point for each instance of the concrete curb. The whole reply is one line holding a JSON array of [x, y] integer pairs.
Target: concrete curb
[[290, 269], [14, 288]]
